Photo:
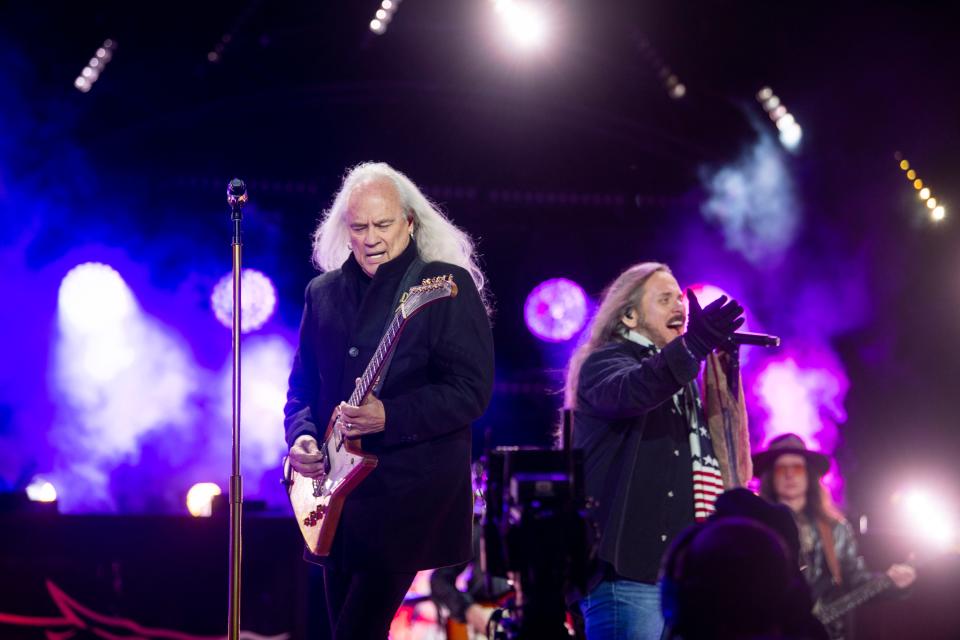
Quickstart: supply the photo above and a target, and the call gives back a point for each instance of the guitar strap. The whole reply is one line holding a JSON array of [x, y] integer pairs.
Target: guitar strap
[[829, 550], [410, 277]]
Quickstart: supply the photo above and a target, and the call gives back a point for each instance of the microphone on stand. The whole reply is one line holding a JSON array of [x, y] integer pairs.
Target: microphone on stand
[[754, 339], [236, 194]]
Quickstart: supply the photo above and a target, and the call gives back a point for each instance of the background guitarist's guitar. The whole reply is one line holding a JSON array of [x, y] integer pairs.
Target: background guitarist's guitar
[[829, 611], [317, 502]]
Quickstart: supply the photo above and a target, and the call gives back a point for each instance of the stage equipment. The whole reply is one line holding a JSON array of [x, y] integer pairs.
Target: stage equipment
[[236, 198], [317, 502], [535, 531]]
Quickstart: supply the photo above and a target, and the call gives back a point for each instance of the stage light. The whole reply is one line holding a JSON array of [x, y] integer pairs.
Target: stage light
[[803, 393], [258, 300], [926, 516], [556, 310], [383, 16], [95, 67], [790, 136], [790, 131], [524, 23], [40, 490], [924, 192], [200, 499], [671, 82], [94, 298]]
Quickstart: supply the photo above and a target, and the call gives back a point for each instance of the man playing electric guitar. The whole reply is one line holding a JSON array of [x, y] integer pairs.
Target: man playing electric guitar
[[414, 510], [790, 473]]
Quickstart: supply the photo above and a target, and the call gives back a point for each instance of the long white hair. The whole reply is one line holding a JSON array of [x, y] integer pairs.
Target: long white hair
[[437, 238]]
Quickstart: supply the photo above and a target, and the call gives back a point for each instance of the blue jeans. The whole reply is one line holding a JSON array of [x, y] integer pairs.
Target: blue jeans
[[622, 610]]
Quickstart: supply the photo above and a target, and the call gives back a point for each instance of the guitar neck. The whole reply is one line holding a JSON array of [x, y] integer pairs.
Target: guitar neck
[[855, 598], [379, 359]]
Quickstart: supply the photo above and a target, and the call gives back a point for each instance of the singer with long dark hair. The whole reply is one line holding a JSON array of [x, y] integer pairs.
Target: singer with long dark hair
[[415, 510]]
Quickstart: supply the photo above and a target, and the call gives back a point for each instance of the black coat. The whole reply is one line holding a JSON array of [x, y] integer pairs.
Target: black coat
[[414, 511], [637, 460]]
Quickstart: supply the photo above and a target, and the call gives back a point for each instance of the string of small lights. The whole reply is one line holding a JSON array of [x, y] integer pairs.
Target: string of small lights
[[937, 211], [98, 63], [383, 16], [790, 131]]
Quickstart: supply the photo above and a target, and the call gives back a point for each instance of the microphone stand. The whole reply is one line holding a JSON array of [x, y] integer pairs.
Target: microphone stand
[[236, 198]]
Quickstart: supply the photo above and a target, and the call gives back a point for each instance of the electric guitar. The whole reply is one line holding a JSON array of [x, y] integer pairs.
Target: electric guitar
[[832, 610], [317, 502]]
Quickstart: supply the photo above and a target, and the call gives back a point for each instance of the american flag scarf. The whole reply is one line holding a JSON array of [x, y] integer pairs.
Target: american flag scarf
[[707, 477]]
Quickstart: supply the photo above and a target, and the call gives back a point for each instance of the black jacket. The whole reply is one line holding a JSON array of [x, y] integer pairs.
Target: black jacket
[[414, 511], [636, 452]]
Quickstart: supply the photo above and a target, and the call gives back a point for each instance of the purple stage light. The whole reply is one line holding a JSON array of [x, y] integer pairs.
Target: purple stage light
[[803, 399], [556, 310], [258, 300]]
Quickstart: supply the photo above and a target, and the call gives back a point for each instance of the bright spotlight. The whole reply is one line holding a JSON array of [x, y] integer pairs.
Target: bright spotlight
[[924, 193], [556, 310], [526, 24], [200, 499], [258, 300], [938, 214], [926, 516], [40, 490], [93, 297], [932, 203]]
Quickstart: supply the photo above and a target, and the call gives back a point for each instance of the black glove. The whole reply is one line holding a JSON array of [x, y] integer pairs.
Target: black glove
[[709, 328]]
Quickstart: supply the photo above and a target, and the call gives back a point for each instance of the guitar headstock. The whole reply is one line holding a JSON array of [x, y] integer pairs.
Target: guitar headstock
[[430, 290]]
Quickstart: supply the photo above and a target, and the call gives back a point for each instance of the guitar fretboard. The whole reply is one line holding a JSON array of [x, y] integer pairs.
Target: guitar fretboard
[[855, 598], [375, 366]]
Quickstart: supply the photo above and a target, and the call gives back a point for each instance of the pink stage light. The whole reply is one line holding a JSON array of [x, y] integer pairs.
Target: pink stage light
[[556, 310], [804, 399]]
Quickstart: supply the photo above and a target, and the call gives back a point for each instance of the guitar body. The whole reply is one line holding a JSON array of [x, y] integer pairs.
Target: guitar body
[[317, 503]]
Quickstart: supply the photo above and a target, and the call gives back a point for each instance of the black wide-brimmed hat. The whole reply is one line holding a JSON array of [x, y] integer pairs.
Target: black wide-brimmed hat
[[789, 443]]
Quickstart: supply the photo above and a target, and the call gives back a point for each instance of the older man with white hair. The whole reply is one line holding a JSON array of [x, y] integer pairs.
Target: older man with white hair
[[414, 511]]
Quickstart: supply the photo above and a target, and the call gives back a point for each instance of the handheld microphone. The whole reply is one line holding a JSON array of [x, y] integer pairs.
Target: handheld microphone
[[755, 339]]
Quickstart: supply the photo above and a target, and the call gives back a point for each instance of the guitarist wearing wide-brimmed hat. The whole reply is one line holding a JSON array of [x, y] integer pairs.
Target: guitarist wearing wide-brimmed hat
[[790, 473]]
